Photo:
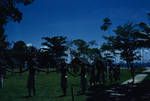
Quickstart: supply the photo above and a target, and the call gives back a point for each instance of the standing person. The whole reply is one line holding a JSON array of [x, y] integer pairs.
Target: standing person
[[98, 72], [1, 77], [2, 72], [103, 70], [132, 70], [115, 75], [118, 72], [83, 78], [92, 75], [32, 67], [31, 77], [100, 76], [63, 71], [110, 70]]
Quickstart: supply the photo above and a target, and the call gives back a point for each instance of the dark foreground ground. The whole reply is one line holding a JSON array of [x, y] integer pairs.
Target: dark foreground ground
[[129, 92]]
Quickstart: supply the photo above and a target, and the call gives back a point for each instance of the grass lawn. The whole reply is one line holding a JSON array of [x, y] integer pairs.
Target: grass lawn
[[47, 87]]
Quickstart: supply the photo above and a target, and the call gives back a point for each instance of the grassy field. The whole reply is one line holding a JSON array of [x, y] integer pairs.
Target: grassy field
[[48, 88]]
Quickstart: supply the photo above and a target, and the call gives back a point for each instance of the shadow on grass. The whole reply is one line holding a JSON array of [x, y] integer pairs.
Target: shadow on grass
[[26, 97], [60, 96]]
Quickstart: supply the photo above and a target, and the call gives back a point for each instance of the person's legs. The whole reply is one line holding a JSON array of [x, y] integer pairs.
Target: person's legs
[[103, 78], [1, 82], [98, 79], [29, 91], [34, 91], [64, 91], [84, 85], [111, 77]]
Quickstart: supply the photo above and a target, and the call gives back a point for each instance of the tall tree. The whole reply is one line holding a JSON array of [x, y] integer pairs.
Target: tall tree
[[3, 48], [80, 47], [9, 12], [126, 42], [56, 47], [19, 53]]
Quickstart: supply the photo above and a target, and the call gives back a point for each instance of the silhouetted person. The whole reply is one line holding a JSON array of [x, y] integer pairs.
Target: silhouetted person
[[100, 76], [132, 70], [103, 72], [110, 71], [118, 72], [63, 71], [83, 78], [115, 73], [31, 76], [2, 72], [32, 64], [98, 72], [1, 77], [92, 76]]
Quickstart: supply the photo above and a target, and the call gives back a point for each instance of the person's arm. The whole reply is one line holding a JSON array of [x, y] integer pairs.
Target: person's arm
[[39, 69], [9, 70], [42, 70]]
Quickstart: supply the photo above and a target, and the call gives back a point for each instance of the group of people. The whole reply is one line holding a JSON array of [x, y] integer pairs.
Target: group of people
[[97, 73], [64, 71], [101, 71]]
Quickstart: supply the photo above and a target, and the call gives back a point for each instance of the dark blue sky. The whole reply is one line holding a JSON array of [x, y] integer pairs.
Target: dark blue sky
[[73, 18]]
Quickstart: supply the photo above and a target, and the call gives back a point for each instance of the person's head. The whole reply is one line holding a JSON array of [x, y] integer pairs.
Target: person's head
[[32, 52], [82, 64], [118, 65], [62, 61]]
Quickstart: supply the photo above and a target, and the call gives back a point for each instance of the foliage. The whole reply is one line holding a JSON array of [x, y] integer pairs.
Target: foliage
[[19, 50], [9, 12], [106, 24], [3, 42], [125, 41], [18, 54], [86, 50], [56, 48], [143, 35], [81, 47]]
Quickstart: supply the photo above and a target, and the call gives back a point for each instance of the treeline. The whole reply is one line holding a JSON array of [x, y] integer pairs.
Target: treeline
[[54, 50]]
